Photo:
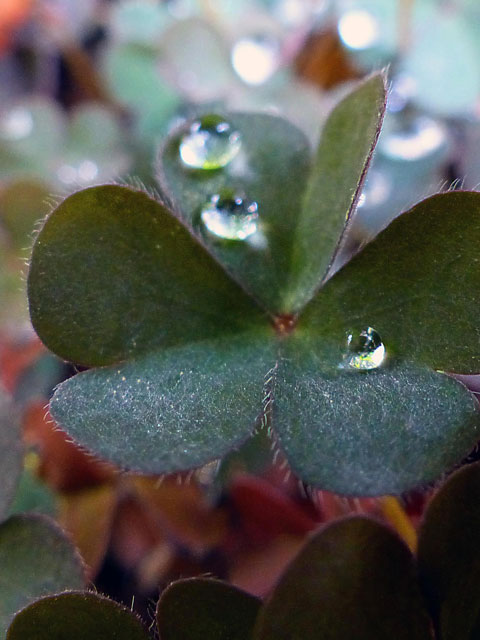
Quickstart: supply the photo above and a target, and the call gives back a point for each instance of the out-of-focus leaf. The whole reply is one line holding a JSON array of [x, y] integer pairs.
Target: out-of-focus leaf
[[448, 556], [11, 452], [203, 608], [76, 616], [36, 559], [355, 579]]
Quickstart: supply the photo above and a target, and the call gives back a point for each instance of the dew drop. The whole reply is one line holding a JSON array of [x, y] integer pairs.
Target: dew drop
[[17, 124], [210, 143], [414, 139], [230, 217], [359, 29], [255, 58], [365, 351]]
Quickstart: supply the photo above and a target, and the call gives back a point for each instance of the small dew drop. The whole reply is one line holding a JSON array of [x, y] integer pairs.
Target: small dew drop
[[17, 124], [414, 140], [366, 351], [359, 29], [256, 58], [230, 217], [210, 143]]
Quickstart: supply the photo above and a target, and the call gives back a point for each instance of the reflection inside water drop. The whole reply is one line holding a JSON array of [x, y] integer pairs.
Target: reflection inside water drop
[[366, 350], [230, 217], [210, 143]]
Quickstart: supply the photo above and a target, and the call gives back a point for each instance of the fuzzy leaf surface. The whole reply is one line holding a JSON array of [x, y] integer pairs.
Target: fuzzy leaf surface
[[302, 206], [203, 608], [113, 275], [36, 559], [355, 579], [271, 169], [448, 556], [11, 452], [342, 158], [417, 284], [368, 432], [76, 616], [172, 409]]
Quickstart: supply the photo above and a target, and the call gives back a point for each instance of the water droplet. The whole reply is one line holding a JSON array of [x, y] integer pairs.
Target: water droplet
[[255, 58], [376, 190], [84, 173], [17, 124], [230, 217], [366, 351], [413, 139], [359, 29], [210, 143]]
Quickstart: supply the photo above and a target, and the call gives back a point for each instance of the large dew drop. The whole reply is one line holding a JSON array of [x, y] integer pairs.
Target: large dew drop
[[210, 143], [230, 217], [365, 351]]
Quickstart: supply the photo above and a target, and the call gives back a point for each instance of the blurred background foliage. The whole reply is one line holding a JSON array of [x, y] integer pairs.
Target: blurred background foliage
[[87, 92]]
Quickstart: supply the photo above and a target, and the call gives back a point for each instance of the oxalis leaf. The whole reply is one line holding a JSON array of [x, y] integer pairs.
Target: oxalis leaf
[[77, 616], [200, 608], [448, 556], [11, 452], [35, 560], [191, 360], [355, 579]]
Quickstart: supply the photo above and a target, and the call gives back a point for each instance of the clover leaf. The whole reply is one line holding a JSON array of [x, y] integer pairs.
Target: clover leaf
[[211, 306]]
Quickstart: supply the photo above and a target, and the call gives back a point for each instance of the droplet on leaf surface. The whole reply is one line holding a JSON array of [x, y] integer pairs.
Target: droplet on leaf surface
[[230, 217], [210, 143], [366, 350]]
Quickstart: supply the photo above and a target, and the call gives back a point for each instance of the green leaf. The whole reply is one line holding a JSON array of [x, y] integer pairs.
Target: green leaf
[[270, 169], [36, 559], [302, 209], [113, 274], [173, 409], [448, 557], [76, 616], [355, 579], [368, 432], [11, 452], [203, 608], [346, 146], [417, 284], [33, 495]]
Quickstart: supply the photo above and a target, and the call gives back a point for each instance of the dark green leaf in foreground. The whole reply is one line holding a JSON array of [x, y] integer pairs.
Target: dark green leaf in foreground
[[448, 556], [368, 432], [76, 616], [36, 559], [11, 452], [270, 170], [173, 409], [199, 608], [346, 145], [355, 579], [417, 284], [113, 274], [301, 208]]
